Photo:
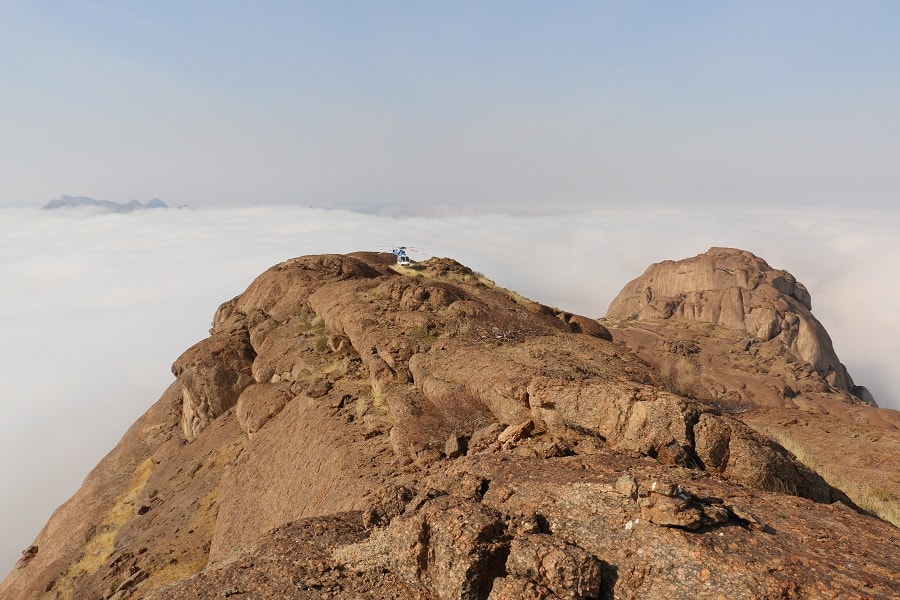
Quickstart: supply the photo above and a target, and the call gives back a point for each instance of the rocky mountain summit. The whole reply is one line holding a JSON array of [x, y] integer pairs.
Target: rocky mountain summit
[[356, 429], [736, 290]]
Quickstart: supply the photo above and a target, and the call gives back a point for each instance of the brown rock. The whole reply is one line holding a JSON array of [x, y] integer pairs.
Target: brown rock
[[212, 374], [627, 486], [318, 388], [453, 447], [386, 504], [565, 570], [27, 555], [514, 434], [671, 511], [735, 290], [485, 438], [258, 403], [579, 324], [450, 549], [765, 384], [299, 452], [513, 588]]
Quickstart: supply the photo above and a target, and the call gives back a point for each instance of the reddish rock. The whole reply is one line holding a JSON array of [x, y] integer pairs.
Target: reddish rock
[[514, 434], [678, 318], [567, 571], [305, 448], [735, 290]]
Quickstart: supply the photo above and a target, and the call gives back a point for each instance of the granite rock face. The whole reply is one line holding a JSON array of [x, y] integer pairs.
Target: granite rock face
[[728, 330], [736, 290], [212, 375], [354, 430]]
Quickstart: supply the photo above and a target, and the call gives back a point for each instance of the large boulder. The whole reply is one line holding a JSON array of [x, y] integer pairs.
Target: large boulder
[[736, 290], [212, 374]]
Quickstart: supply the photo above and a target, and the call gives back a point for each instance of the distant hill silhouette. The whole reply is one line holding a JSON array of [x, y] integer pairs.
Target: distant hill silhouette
[[106, 205]]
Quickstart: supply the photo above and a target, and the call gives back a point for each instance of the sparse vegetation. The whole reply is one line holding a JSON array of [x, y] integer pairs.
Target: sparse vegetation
[[873, 498], [372, 408], [729, 407], [424, 333], [499, 327], [195, 559], [321, 343], [309, 322], [99, 544], [680, 375]]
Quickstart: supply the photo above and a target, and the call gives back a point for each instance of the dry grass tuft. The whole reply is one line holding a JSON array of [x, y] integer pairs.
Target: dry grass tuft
[[372, 408], [873, 498], [680, 375], [99, 546], [193, 560]]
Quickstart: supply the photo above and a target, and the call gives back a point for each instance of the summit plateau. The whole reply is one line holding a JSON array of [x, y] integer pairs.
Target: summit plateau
[[352, 428]]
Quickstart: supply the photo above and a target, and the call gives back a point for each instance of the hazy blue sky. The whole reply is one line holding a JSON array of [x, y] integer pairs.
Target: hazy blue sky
[[441, 107]]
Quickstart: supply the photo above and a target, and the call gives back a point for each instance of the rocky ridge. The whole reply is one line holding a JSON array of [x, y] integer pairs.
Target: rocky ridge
[[354, 429]]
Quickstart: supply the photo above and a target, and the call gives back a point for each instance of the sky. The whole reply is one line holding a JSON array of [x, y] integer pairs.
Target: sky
[[559, 148], [451, 107]]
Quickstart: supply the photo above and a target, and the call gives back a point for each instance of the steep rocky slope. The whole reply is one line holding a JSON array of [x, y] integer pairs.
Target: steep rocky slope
[[352, 429]]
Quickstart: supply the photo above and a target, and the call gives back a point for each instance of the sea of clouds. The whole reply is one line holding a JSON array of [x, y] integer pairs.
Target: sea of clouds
[[97, 306]]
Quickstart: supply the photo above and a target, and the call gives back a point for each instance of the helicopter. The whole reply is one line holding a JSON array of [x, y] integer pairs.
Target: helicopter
[[401, 253]]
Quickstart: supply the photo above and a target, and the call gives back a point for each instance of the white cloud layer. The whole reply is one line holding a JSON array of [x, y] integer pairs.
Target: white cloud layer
[[96, 307]]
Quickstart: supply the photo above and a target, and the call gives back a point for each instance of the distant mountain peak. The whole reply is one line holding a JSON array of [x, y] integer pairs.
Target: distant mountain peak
[[65, 201]]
